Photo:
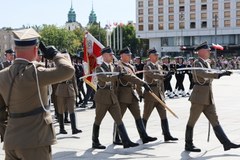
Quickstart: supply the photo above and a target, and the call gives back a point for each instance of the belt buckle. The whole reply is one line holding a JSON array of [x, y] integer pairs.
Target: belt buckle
[[67, 82]]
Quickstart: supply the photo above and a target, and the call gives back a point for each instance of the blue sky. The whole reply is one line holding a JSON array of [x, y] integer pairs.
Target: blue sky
[[15, 13]]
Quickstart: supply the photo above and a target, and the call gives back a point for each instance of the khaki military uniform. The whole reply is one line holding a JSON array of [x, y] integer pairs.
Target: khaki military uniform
[[105, 97], [29, 126], [129, 84], [66, 95], [155, 80], [5, 64], [202, 96]]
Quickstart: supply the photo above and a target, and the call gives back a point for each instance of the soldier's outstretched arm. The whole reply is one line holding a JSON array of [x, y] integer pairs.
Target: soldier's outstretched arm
[[153, 75]]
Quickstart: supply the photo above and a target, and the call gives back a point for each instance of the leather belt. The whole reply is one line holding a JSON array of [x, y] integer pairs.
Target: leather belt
[[106, 87], [26, 114], [205, 84], [66, 82]]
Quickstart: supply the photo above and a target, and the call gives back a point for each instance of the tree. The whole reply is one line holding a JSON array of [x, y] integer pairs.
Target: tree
[[98, 32], [61, 38]]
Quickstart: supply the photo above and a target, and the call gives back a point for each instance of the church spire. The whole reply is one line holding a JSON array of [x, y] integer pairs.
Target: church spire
[[92, 16], [71, 14]]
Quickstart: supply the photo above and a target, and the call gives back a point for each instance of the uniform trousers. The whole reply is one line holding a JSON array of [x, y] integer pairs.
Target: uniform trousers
[[113, 109], [208, 110], [66, 104], [133, 107], [39, 153], [148, 108]]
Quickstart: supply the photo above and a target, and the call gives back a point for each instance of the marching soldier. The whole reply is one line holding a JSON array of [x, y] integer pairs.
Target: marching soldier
[[23, 92], [107, 88], [9, 54], [179, 88], [167, 81], [202, 101], [66, 93], [139, 66], [128, 97], [155, 81]]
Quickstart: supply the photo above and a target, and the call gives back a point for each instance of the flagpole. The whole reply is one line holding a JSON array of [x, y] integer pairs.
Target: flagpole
[[114, 40], [120, 37], [117, 37]]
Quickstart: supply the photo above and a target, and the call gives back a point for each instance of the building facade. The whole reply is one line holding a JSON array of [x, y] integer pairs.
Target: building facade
[[170, 24], [6, 41]]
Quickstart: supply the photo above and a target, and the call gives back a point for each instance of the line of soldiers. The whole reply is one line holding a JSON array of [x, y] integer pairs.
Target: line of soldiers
[[125, 92]]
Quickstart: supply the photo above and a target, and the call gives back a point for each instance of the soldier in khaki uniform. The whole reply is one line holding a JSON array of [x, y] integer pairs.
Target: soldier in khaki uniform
[[128, 97], [155, 80], [23, 92], [9, 54], [202, 100], [66, 92], [106, 100]]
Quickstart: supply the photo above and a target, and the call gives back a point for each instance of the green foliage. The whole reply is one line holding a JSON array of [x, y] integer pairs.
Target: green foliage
[[98, 33]]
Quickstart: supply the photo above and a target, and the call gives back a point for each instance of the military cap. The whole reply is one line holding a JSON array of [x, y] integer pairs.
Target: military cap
[[10, 51], [137, 57], [107, 50], [165, 57], [191, 58], [125, 50], [25, 37], [152, 51], [203, 45]]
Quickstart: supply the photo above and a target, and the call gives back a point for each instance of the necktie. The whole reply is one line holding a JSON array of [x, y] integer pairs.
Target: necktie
[[109, 66]]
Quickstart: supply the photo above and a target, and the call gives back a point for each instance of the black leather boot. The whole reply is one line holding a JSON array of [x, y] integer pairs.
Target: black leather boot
[[116, 138], [66, 117], [166, 133], [61, 124], [95, 134], [222, 137], [142, 132], [124, 136], [73, 124], [189, 146], [145, 123]]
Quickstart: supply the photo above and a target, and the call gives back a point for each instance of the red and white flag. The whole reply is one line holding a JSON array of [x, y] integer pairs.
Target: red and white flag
[[217, 46], [92, 57]]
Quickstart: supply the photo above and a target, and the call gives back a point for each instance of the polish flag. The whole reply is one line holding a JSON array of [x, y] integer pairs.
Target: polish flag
[[92, 58], [217, 46]]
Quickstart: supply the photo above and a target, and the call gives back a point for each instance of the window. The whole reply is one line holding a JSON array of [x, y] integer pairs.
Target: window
[[170, 1], [238, 5], [150, 19], [171, 17], [140, 4], [215, 14], [140, 27], [192, 16], [215, 6], [238, 14], [181, 1], [181, 8], [181, 16], [192, 1], [213, 23], [203, 7], [150, 10], [140, 12], [160, 18], [227, 5], [150, 27], [140, 19], [170, 9], [192, 8], [160, 10], [238, 22], [160, 26], [171, 26], [203, 15], [203, 1], [160, 2], [204, 24], [150, 3], [181, 25], [192, 25], [227, 23], [227, 14]]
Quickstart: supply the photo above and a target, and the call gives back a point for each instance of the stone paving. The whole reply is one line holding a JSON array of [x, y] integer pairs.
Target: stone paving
[[227, 96]]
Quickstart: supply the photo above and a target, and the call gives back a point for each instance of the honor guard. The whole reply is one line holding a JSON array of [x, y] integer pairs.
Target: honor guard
[[155, 79], [139, 66], [202, 100], [127, 96], [106, 87], [9, 54], [179, 75], [167, 81], [189, 72], [23, 93]]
